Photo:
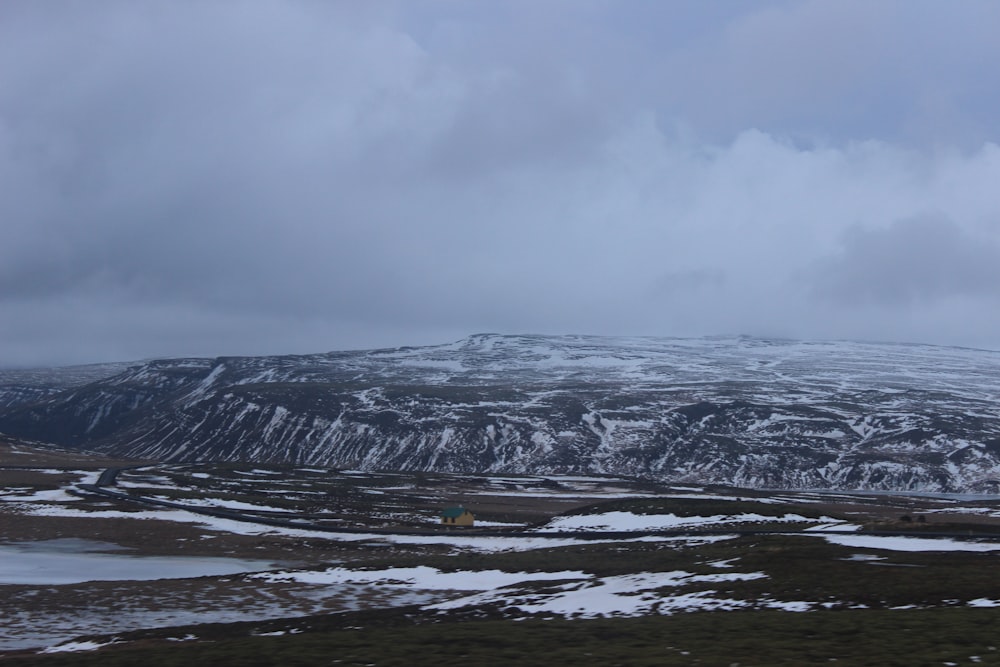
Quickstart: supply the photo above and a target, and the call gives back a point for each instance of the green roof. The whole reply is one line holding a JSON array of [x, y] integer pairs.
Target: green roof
[[453, 512]]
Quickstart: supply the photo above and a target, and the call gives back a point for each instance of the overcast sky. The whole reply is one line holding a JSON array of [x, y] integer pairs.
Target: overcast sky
[[265, 177]]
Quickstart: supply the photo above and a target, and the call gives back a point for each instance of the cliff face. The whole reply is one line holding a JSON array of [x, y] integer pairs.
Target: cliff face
[[740, 411]]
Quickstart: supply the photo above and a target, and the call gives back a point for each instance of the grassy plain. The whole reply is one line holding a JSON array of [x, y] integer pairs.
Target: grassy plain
[[795, 597]]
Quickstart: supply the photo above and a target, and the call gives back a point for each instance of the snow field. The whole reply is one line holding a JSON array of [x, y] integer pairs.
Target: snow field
[[628, 521], [584, 595], [889, 543], [623, 595], [421, 577]]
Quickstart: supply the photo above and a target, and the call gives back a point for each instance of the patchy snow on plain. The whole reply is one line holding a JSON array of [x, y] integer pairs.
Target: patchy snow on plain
[[622, 595], [561, 495], [628, 521], [483, 544], [889, 543], [75, 646], [984, 602], [41, 496], [836, 526], [712, 496], [482, 523], [499, 544], [420, 577], [985, 511], [231, 505]]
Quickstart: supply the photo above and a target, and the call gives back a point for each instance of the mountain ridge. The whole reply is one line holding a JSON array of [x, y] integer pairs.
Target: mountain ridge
[[734, 410]]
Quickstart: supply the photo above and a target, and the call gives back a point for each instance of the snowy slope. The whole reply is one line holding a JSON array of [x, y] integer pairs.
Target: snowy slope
[[742, 411], [26, 385]]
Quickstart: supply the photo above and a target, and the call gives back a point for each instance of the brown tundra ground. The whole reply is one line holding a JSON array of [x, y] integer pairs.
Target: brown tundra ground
[[786, 577]]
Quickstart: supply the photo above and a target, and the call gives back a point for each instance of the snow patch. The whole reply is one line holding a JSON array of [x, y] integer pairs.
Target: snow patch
[[889, 543], [623, 595]]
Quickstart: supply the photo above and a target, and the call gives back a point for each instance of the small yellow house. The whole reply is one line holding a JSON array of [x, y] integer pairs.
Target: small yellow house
[[457, 516]]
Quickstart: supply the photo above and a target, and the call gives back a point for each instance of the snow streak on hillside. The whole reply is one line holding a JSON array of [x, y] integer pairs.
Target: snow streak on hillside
[[741, 411]]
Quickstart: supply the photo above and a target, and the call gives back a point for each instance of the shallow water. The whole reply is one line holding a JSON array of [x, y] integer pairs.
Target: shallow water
[[35, 629], [73, 561]]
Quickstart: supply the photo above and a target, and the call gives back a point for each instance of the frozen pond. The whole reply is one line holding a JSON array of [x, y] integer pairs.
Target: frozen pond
[[36, 614], [72, 561]]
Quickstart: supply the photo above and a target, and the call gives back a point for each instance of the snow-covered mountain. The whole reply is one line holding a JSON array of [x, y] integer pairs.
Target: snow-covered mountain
[[740, 411], [24, 385]]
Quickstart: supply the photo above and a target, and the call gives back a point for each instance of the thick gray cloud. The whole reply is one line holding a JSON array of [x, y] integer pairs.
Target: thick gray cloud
[[293, 176], [911, 262]]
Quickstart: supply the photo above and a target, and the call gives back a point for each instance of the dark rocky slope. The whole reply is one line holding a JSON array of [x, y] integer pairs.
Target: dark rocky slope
[[740, 411]]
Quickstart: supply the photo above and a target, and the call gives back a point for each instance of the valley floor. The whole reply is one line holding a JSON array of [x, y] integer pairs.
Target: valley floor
[[757, 577]]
